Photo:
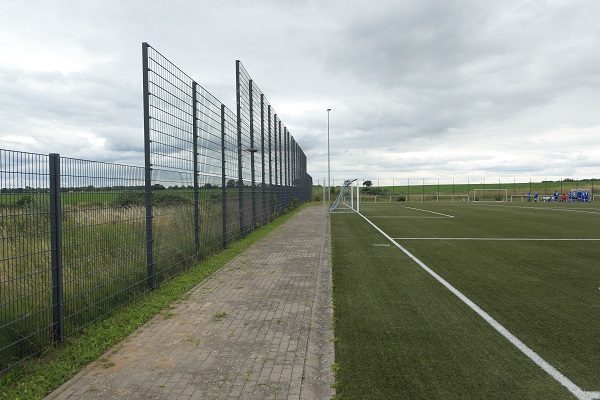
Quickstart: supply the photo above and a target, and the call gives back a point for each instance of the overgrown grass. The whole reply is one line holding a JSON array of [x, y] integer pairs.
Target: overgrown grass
[[104, 259], [401, 334], [34, 379]]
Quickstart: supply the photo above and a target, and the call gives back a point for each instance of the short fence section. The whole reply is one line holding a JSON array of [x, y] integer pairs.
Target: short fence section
[[80, 238]]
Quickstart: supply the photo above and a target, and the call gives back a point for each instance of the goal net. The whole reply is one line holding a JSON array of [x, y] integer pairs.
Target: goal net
[[339, 206], [490, 194]]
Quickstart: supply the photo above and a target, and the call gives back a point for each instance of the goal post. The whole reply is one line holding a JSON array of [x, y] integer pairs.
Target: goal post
[[490, 195]]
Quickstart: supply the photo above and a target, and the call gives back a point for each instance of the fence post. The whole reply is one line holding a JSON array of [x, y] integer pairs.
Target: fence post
[[262, 152], [280, 166], [252, 150], [196, 172], [148, 170], [58, 323], [270, 209], [223, 178], [239, 148], [276, 148]]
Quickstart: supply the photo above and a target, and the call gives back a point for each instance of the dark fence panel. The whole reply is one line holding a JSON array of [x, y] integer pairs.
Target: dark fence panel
[[80, 238], [25, 263], [103, 239]]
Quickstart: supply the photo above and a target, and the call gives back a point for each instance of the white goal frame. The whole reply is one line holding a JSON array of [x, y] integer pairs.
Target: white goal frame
[[340, 206], [503, 192]]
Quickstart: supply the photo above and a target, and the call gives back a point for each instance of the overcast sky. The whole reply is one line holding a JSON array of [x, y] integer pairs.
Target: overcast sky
[[418, 89]]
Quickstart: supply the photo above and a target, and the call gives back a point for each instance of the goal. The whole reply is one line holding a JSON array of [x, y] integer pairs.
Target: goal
[[490, 194], [339, 206]]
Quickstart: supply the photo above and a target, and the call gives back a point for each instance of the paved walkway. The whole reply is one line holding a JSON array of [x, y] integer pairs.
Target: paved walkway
[[259, 328]]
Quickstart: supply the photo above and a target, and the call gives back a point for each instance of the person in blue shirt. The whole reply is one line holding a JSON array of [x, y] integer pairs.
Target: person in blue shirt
[[535, 197], [528, 196], [556, 196]]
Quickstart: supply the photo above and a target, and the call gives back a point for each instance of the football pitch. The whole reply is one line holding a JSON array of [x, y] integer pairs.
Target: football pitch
[[467, 301]]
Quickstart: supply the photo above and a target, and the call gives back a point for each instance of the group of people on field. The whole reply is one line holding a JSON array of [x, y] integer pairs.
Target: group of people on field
[[579, 195]]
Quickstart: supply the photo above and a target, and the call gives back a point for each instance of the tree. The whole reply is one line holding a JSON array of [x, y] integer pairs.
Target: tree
[[377, 191], [367, 183], [231, 183]]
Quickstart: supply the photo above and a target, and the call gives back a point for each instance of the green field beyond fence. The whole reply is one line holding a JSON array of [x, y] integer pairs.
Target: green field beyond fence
[[432, 190], [532, 269]]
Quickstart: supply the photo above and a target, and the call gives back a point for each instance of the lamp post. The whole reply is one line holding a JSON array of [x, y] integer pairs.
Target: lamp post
[[328, 164]]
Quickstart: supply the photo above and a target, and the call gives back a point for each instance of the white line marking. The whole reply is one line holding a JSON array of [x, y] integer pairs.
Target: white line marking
[[525, 239], [543, 364], [433, 212], [550, 208], [406, 216]]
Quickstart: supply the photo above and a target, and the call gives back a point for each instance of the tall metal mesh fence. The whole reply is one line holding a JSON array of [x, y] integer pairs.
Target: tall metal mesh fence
[[25, 263], [103, 239], [80, 238]]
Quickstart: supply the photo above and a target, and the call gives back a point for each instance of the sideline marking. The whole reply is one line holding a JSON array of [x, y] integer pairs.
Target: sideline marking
[[525, 239], [406, 216], [543, 364], [433, 212]]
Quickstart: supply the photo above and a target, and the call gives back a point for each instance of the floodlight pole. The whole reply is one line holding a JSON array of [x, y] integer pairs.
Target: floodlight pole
[[328, 162]]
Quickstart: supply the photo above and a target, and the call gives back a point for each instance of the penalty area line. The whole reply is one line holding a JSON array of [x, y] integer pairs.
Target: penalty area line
[[536, 358], [428, 211], [408, 216]]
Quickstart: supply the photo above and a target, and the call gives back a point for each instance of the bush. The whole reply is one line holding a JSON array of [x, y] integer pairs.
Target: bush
[[138, 198], [26, 200], [130, 198], [376, 191]]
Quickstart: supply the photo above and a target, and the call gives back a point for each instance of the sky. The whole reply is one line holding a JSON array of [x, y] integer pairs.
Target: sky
[[418, 90]]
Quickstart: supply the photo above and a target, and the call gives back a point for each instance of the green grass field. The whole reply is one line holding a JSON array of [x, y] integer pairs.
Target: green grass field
[[532, 267]]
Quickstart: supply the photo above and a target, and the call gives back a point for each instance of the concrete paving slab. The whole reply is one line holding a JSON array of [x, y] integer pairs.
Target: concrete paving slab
[[259, 328]]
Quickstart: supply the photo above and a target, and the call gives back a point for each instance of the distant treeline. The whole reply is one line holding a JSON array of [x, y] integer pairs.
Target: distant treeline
[[91, 188]]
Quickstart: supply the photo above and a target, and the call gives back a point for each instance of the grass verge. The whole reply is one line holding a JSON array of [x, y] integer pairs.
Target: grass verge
[[36, 378]]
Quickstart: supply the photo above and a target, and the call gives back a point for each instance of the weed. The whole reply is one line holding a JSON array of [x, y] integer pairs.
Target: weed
[[168, 314], [219, 316], [249, 373]]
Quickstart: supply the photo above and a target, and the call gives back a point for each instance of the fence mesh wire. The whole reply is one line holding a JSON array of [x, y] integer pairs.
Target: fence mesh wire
[[25, 267]]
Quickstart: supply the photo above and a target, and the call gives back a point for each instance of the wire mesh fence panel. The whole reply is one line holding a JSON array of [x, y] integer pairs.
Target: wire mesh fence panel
[[209, 162], [231, 209], [103, 239], [171, 148], [25, 267]]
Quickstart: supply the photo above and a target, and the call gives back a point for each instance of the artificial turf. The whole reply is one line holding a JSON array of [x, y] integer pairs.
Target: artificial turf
[[401, 334]]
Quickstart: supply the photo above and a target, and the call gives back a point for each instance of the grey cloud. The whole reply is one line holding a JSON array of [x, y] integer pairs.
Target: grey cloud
[[430, 87]]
